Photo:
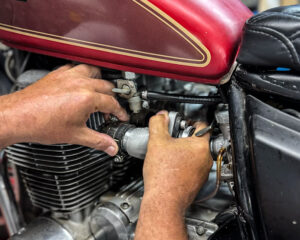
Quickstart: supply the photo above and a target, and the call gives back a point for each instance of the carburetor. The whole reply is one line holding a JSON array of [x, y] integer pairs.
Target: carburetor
[[134, 140]]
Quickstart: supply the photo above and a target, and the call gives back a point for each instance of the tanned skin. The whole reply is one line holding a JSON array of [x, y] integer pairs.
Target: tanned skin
[[55, 110], [174, 171]]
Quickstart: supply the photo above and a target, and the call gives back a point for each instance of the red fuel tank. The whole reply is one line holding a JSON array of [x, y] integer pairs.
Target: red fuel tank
[[192, 40]]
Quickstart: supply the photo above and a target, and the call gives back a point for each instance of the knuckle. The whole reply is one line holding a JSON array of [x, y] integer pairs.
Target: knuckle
[[114, 101], [99, 144], [156, 119], [85, 97]]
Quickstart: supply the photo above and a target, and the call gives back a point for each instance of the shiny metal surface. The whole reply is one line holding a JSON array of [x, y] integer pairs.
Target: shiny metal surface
[[117, 216], [135, 142], [12, 216], [43, 229], [66, 178]]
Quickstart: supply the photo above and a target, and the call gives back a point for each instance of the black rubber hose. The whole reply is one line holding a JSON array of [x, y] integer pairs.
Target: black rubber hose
[[180, 98]]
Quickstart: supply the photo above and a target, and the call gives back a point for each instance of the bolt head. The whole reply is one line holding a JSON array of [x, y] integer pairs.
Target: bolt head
[[200, 230], [183, 124], [145, 105], [124, 205], [118, 159]]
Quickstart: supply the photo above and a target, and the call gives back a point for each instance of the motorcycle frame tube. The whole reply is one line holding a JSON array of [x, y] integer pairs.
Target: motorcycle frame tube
[[13, 217], [245, 194]]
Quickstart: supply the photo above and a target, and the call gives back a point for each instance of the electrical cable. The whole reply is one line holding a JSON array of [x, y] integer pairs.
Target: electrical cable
[[147, 95]]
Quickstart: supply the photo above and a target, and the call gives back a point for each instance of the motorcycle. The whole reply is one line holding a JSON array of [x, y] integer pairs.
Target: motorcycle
[[200, 60]]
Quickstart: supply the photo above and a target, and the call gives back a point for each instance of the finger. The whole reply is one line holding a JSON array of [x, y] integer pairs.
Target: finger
[[108, 104], [106, 116], [101, 86], [200, 125], [159, 125], [63, 68], [90, 138], [87, 70]]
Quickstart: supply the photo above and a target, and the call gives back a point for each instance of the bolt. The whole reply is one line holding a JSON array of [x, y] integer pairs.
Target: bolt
[[21, 231], [118, 159], [124, 205], [113, 118], [183, 124], [145, 105], [200, 230]]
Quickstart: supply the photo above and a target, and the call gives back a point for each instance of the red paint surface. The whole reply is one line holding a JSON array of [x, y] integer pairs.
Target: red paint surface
[[216, 23]]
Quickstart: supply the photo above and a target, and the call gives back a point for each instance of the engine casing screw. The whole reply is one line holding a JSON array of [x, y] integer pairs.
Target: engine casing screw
[[118, 159], [200, 230], [125, 205]]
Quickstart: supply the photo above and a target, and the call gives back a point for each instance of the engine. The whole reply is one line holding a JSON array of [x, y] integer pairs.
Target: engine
[[83, 194]]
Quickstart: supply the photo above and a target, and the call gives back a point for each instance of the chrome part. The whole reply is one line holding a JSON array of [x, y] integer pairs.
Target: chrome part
[[13, 218], [200, 230], [187, 132], [135, 142], [43, 229], [116, 217], [174, 123], [183, 124]]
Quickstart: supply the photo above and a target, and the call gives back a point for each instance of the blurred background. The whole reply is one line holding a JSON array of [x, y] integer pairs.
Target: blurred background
[[261, 5]]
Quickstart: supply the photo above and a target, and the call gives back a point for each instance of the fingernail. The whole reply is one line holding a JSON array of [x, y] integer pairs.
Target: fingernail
[[125, 116], [111, 150], [162, 112]]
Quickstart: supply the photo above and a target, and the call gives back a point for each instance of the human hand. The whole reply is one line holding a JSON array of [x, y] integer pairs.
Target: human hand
[[175, 169], [55, 110]]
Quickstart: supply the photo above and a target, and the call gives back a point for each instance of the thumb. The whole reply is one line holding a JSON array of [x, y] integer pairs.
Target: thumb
[[159, 125], [99, 141]]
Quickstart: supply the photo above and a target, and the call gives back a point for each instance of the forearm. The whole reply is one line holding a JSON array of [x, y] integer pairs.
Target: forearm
[[9, 122], [161, 219]]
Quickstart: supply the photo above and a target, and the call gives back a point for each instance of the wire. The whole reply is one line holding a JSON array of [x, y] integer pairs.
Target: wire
[[180, 98], [218, 175], [7, 63], [24, 64]]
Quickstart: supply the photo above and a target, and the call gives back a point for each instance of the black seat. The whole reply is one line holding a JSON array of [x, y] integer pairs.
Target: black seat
[[272, 39]]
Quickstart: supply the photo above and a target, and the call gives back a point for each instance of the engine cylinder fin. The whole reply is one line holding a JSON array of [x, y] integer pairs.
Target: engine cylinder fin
[[67, 178]]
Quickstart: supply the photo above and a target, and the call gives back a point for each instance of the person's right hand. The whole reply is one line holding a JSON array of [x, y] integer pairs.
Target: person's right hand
[[175, 167], [55, 110], [174, 171]]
